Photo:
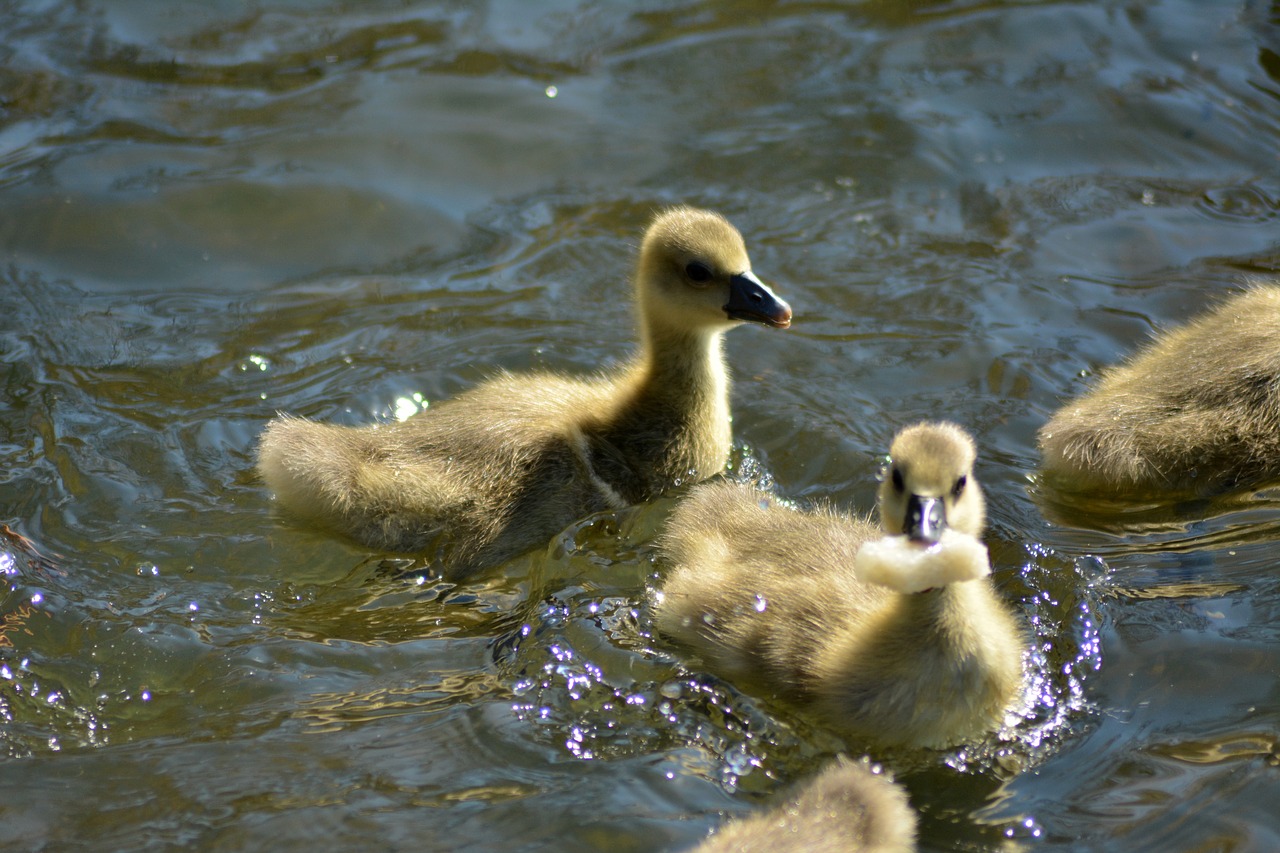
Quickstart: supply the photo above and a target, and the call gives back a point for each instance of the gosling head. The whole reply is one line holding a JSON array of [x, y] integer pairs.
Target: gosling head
[[694, 274], [928, 484]]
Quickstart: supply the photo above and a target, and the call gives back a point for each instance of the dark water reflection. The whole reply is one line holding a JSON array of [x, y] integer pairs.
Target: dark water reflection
[[209, 213]]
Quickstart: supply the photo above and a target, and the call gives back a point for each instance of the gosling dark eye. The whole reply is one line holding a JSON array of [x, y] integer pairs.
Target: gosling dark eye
[[697, 272], [898, 485], [959, 486]]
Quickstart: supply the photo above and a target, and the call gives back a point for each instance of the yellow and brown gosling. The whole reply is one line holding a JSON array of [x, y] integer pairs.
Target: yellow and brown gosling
[[889, 634], [1193, 413], [847, 808], [502, 467]]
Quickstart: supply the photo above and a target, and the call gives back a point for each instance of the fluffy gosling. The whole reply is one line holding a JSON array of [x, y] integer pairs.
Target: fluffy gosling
[[788, 601], [847, 808], [1195, 412], [502, 467]]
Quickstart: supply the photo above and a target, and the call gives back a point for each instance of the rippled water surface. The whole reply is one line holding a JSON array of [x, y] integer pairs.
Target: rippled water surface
[[213, 211]]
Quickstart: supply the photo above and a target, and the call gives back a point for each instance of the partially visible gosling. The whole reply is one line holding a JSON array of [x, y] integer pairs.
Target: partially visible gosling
[[501, 468], [1195, 412], [847, 808], [784, 600]]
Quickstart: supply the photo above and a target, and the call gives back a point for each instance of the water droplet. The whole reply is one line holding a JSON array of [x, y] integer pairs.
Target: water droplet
[[552, 91]]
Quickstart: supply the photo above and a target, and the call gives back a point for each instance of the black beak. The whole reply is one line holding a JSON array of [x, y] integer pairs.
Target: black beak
[[926, 519], [751, 299]]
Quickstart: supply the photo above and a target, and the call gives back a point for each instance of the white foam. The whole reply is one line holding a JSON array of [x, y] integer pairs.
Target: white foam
[[899, 563]]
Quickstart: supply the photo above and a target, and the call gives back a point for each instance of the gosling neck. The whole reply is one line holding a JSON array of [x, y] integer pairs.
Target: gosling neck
[[684, 365]]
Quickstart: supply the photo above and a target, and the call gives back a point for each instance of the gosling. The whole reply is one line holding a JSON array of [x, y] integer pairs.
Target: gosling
[[896, 641], [1196, 412], [501, 468], [847, 808]]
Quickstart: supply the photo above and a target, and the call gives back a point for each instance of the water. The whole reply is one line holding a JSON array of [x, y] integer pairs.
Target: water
[[211, 212]]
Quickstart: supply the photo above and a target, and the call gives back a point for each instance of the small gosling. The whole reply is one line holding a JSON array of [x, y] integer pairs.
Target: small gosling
[[821, 609], [501, 468], [847, 808], [1195, 412]]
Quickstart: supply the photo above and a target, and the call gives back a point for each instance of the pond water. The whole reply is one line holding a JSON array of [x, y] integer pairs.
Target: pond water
[[214, 211]]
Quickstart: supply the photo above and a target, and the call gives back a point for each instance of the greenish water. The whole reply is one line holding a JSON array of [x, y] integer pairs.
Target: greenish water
[[210, 212]]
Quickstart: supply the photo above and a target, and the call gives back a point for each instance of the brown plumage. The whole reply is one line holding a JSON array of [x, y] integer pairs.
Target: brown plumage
[[769, 596], [502, 467], [1195, 412], [847, 808]]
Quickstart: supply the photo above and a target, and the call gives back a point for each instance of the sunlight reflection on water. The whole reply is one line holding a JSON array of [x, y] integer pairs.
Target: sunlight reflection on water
[[212, 213]]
